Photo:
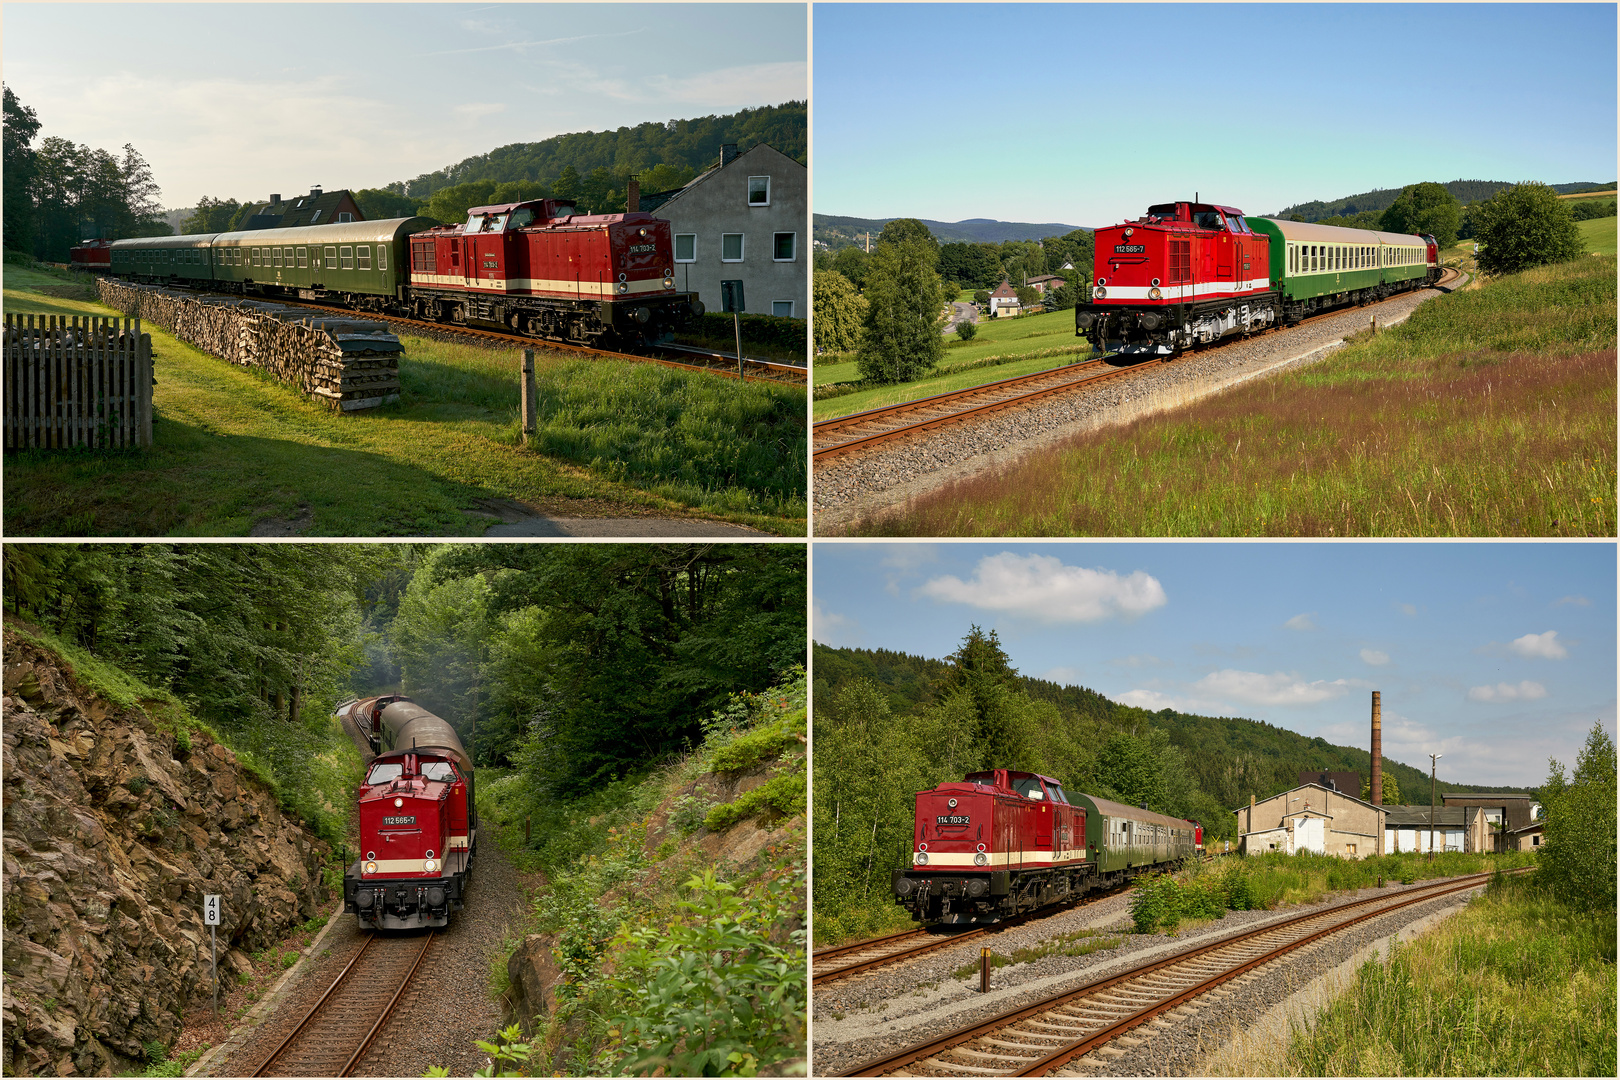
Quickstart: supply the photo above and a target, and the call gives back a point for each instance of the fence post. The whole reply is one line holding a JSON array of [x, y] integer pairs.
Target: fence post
[[528, 392]]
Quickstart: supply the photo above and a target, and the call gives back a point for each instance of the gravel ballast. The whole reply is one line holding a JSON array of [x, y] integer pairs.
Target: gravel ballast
[[864, 1017], [854, 486]]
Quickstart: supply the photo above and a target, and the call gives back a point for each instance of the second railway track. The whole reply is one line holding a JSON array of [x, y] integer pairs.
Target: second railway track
[[335, 1035], [1081, 1031]]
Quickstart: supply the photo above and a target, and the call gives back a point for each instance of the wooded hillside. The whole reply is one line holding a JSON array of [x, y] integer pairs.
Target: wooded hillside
[[1464, 191]]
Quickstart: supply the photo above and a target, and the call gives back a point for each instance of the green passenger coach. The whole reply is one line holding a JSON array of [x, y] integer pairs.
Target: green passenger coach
[[363, 263], [1322, 266]]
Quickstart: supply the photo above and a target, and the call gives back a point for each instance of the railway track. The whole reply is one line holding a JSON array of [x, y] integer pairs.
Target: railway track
[[1087, 1027], [844, 434], [842, 961], [335, 1035]]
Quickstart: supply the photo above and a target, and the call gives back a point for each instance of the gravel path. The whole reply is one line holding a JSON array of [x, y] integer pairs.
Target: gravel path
[[451, 1007], [864, 1017], [858, 485]]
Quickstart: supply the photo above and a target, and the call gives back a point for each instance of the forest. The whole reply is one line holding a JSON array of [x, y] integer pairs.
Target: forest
[[887, 725], [575, 663]]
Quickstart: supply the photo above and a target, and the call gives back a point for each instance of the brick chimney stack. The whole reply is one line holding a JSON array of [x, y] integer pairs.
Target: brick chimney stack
[[728, 153], [1376, 790], [632, 197]]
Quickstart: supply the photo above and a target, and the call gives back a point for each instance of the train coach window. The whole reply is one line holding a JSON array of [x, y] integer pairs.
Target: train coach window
[[303, 258], [256, 256], [287, 254], [275, 256], [331, 258], [382, 256], [365, 256], [686, 247], [346, 257]]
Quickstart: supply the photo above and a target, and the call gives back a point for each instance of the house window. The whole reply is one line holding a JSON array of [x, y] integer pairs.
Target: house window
[[759, 191], [346, 255], [303, 258], [686, 247], [786, 242], [344, 215], [782, 308], [316, 216], [731, 247], [365, 256]]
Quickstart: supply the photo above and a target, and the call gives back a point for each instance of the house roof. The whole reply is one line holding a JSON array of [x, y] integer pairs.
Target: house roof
[[758, 151], [1319, 787], [312, 209], [1406, 817]]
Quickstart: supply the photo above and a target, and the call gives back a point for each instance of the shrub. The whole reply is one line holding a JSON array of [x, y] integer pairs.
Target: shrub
[[780, 796], [752, 750], [1525, 226], [1578, 857], [789, 335], [967, 330]]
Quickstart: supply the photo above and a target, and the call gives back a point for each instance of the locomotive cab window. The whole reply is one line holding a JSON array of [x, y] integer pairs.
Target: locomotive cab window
[[438, 770], [384, 771]]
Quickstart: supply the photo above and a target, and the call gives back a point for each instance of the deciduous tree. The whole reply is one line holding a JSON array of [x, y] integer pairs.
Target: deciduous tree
[[839, 312], [1524, 226], [1427, 209], [900, 337], [21, 125], [1578, 854]]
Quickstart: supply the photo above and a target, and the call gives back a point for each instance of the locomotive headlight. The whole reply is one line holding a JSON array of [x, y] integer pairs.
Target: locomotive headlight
[[398, 803], [921, 858], [1102, 281], [981, 859], [430, 865], [1129, 231], [371, 868], [669, 282], [1155, 294], [623, 287], [1099, 293], [951, 803]]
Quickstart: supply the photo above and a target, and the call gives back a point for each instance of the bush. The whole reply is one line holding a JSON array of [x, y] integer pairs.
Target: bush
[[1525, 226], [967, 330], [773, 331]]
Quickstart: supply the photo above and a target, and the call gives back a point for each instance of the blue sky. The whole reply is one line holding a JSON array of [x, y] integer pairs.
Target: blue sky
[[1086, 114], [1497, 656], [245, 100]]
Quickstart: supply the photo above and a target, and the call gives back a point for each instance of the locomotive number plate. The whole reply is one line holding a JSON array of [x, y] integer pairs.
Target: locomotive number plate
[[953, 819], [638, 249], [403, 819], [1129, 249]]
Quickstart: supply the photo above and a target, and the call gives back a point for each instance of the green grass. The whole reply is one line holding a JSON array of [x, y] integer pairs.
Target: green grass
[[1491, 412], [234, 448], [1598, 235], [1002, 349], [1514, 985]]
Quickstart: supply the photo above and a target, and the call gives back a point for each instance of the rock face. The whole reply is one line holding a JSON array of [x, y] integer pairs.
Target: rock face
[[114, 832]]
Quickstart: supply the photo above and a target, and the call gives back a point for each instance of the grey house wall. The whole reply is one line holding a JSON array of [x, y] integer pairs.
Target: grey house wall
[[716, 203]]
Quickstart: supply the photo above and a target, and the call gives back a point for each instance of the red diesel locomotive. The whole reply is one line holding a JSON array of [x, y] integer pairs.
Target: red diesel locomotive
[[538, 268], [1003, 842], [92, 256], [418, 821]]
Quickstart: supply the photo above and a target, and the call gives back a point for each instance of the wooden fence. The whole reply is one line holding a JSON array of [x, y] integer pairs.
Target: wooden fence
[[77, 381]]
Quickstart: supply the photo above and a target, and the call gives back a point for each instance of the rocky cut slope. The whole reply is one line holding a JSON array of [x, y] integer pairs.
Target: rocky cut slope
[[115, 829]]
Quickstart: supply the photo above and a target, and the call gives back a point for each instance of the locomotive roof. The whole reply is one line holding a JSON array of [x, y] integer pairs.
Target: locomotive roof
[[1311, 233]]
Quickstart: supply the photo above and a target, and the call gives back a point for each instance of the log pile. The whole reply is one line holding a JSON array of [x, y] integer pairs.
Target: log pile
[[347, 362]]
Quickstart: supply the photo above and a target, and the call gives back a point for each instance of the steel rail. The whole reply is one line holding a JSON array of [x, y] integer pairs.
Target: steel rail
[[832, 952], [1378, 906], [837, 423], [365, 1044], [302, 1024], [833, 974]]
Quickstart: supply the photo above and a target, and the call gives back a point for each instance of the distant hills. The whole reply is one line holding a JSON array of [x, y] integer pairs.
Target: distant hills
[[836, 231], [1464, 191]]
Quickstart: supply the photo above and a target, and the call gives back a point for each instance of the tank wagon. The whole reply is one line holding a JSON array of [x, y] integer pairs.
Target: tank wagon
[[1003, 842], [535, 268], [418, 819], [1189, 273]]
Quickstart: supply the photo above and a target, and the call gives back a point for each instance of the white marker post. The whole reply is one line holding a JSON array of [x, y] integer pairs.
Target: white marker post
[[211, 918]]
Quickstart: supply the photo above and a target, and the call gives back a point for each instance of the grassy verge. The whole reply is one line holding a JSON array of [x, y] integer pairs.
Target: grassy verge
[[651, 937], [234, 449], [1009, 346], [1515, 985], [1598, 235], [1490, 412]]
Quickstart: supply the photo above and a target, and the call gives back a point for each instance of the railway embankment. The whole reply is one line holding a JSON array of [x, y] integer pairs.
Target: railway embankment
[[118, 821], [680, 894]]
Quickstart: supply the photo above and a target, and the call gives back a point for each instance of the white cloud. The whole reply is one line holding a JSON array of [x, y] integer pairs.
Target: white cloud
[[1408, 609], [1253, 688], [1042, 587], [1147, 660], [831, 628], [1064, 676], [1577, 601], [1545, 646], [1374, 657], [1524, 691], [1150, 700], [1306, 621]]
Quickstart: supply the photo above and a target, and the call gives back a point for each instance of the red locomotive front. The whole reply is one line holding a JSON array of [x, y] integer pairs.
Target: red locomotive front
[[409, 866], [94, 256], [540, 269], [1183, 274], [997, 843]]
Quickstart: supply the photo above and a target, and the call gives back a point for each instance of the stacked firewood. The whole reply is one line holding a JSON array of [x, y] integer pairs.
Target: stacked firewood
[[349, 363]]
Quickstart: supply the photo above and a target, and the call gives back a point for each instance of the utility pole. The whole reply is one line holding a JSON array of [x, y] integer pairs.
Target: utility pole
[[1432, 759]]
